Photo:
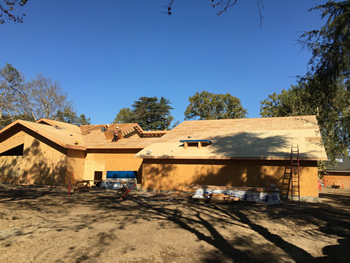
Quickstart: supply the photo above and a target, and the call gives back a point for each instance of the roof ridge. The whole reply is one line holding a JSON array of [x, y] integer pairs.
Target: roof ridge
[[252, 119]]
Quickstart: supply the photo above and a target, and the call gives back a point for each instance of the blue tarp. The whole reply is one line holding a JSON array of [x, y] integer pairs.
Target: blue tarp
[[121, 174], [194, 141]]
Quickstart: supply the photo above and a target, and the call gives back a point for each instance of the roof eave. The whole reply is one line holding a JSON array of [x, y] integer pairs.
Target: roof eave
[[227, 158], [74, 147], [66, 146], [9, 126], [114, 148]]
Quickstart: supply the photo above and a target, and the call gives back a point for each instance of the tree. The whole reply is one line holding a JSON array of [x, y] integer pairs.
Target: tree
[[327, 79], [149, 112], [69, 116], [330, 45], [332, 115], [8, 10], [14, 94], [47, 97], [329, 66], [292, 102], [32, 100], [83, 120], [209, 106], [325, 89], [125, 115]]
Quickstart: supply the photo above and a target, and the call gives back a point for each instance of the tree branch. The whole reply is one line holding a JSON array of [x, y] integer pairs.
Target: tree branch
[[260, 7], [223, 5], [7, 9], [169, 7]]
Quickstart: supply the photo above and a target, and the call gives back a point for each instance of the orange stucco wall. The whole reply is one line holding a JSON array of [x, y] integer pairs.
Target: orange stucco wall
[[43, 162], [343, 180], [112, 160], [170, 174]]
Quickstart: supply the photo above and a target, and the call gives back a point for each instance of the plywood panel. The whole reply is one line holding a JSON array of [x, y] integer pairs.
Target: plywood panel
[[42, 163], [10, 169], [110, 162], [91, 166], [12, 141], [180, 174], [75, 164], [340, 180]]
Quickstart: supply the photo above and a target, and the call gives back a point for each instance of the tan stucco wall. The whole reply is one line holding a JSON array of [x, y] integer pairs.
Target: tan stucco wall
[[180, 174], [43, 162], [117, 160]]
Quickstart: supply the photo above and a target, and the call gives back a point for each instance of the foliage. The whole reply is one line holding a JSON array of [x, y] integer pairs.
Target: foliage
[[292, 102], [6, 120], [125, 115], [209, 106], [332, 115], [149, 112], [14, 94], [39, 98], [325, 90], [69, 116], [47, 97], [322, 166], [8, 8], [83, 120], [327, 79], [330, 45]]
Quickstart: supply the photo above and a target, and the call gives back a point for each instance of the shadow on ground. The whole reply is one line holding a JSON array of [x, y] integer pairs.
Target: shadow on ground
[[239, 232]]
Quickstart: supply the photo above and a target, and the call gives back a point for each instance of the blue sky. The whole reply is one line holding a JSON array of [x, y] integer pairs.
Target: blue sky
[[106, 54]]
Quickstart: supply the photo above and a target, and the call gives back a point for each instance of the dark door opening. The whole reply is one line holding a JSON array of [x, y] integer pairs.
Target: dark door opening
[[98, 176]]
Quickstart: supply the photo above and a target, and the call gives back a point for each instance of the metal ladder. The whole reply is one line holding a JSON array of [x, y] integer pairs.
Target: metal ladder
[[291, 182]]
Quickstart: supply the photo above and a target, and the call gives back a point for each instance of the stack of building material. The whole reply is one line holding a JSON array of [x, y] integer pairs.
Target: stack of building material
[[250, 194], [119, 179]]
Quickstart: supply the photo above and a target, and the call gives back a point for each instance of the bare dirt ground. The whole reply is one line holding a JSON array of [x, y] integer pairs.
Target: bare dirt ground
[[42, 224]]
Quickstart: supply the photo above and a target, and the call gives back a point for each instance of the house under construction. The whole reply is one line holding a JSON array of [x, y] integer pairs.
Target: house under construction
[[237, 152]]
